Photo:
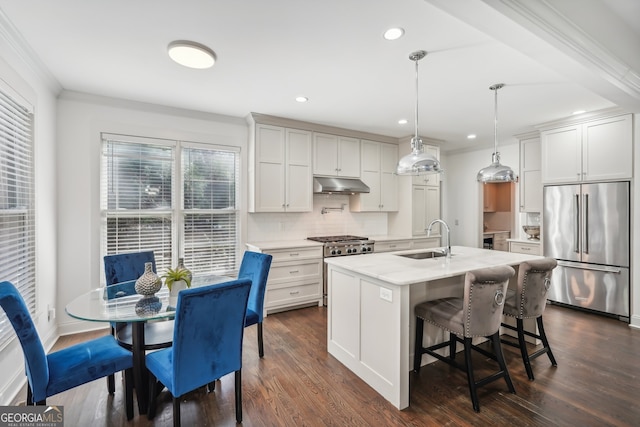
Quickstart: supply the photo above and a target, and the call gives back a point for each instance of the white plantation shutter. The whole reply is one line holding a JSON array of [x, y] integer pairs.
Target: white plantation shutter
[[148, 205], [17, 206]]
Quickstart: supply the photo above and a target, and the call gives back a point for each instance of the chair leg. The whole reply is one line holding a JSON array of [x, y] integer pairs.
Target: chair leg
[[545, 342], [111, 383], [128, 387], [211, 387], [260, 342], [470, 378], [523, 349], [29, 395], [176, 411], [154, 386], [239, 396], [497, 349], [452, 346], [417, 351]]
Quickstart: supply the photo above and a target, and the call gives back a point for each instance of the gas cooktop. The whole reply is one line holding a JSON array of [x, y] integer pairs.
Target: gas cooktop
[[335, 239]]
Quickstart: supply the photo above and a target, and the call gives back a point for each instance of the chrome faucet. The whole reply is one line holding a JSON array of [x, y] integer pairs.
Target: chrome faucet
[[447, 249]]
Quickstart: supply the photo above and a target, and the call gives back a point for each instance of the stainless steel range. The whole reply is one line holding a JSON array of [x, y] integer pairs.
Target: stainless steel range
[[342, 246]]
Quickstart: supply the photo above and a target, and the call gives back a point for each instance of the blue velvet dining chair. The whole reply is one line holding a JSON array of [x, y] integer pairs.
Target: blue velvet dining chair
[[207, 343], [255, 266], [123, 270], [49, 374]]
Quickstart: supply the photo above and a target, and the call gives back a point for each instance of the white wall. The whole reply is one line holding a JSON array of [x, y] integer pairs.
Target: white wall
[[39, 90], [461, 193], [81, 119]]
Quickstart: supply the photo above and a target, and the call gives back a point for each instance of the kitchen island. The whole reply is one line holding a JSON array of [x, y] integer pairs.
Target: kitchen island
[[371, 300]]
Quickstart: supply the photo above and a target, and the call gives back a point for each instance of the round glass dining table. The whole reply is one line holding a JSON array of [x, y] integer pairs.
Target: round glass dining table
[[95, 306]]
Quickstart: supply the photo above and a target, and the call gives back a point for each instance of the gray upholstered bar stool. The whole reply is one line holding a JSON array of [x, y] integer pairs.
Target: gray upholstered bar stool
[[477, 314], [528, 301]]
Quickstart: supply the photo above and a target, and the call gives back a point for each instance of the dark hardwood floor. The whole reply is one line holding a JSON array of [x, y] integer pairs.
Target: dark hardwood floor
[[297, 383]]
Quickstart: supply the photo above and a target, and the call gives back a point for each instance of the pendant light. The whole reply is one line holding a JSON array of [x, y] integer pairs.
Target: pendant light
[[417, 162], [496, 172]]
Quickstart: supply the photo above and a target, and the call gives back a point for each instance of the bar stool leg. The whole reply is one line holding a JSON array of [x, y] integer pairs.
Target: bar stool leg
[[452, 346], [523, 349], [417, 351], [545, 342], [497, 349], [470, 377]]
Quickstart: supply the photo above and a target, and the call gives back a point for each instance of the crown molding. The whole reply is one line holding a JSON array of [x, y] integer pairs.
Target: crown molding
[[10, 34]]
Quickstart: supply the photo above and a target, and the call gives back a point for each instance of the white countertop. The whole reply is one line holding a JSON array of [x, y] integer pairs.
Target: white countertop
[[398, 270], [283, 244]]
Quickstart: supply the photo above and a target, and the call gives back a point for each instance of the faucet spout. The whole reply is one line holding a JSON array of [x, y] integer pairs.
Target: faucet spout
[[447, 249]]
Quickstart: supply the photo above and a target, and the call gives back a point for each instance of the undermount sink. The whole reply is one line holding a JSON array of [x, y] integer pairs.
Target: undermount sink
[[423, 255]]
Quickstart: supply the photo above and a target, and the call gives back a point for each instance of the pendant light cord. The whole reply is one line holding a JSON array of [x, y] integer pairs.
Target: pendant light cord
[[417, 92]]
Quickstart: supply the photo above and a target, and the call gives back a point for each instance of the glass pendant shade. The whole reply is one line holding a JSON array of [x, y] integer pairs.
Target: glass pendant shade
[[496, 172], [417, 162]]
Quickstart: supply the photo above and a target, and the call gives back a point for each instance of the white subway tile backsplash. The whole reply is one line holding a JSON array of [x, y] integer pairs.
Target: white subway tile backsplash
[[292, 226]]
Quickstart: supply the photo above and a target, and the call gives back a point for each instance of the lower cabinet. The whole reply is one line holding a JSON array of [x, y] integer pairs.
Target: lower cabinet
[[295, 278], [500, 241], [524, 248], [406, 244]]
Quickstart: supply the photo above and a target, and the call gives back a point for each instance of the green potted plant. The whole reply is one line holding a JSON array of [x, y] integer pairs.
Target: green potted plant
[[176, 279]]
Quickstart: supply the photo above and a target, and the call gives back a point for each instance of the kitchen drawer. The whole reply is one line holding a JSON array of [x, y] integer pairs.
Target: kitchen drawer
[[398, 245], [524, 248], [293, 295], [295, 270], [292, 254]]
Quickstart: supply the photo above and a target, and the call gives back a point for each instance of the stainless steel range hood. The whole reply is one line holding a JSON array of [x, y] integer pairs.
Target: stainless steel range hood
[[338, 185]]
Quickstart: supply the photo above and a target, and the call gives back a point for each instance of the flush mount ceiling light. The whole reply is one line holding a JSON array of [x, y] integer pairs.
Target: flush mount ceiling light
[[471, 136], [403, 121], [417, 162], [191, 54], [302, 98], [393, 33], [496, 172]]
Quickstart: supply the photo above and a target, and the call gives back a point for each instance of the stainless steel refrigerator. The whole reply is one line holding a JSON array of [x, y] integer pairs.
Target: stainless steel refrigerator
[[586, 227]]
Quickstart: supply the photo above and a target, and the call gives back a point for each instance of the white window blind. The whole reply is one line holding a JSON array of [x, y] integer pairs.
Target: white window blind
[[17, 206], [148, 205]]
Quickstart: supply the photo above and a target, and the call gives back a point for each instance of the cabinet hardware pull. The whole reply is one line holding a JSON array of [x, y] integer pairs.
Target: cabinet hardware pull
[[294, 271], [294, 292], [294, 254]]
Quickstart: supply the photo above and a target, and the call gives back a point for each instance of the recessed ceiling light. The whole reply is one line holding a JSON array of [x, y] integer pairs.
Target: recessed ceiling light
[[402, 121], [191, 54], [471, 136], [393, 33], [578, 112], [302, 98]]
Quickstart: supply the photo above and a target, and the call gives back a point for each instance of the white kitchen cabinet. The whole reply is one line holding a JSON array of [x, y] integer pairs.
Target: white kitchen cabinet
[[592, 151], [525, 248], [426, 208], [530, 175], [295, 277], [335, 155], [500, 241], [432, 180], [379, 162], [280, 176]]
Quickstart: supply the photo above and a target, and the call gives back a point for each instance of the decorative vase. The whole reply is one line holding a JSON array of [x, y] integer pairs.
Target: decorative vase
[[176, 287], [148, 306], [149, 283], [182, 267]]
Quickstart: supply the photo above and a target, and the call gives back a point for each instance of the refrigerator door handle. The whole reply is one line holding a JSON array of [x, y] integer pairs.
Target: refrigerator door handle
[[576, 231], [585, 239], [583, 266]]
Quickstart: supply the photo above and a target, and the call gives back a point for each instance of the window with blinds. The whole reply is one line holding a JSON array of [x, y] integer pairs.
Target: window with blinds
[[17, 206], [175, 198]]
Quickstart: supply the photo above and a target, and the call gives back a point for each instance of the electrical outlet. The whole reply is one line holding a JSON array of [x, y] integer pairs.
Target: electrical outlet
[[457, 222], [386, 294], [51, 313]]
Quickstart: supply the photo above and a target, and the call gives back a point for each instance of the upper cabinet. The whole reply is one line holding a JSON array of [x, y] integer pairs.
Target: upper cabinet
[[378, 169], [592, 151], [280, 175], [530, 175], [336, 155]]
